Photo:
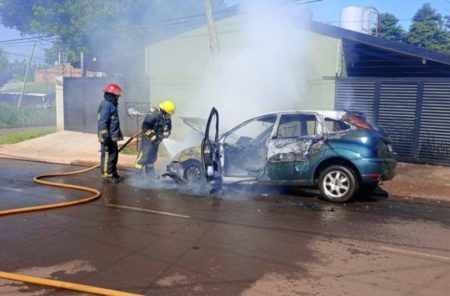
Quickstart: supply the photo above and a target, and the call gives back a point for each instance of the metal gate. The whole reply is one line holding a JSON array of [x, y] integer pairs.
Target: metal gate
[[82, 97], [415, 112]]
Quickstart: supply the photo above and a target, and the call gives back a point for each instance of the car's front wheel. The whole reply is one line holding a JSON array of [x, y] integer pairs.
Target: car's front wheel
[[192, 171], [338, 183]]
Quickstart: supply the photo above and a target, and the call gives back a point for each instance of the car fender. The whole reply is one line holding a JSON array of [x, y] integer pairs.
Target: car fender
[[345, 154]]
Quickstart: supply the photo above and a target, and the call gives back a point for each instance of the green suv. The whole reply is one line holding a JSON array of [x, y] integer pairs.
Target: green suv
[[340, 152]]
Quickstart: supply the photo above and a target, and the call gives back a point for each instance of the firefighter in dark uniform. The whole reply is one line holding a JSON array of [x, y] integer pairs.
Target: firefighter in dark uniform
[[156, 126], [109, 132]]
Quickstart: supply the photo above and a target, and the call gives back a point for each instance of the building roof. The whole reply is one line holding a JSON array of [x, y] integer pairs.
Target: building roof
[[367, 55]]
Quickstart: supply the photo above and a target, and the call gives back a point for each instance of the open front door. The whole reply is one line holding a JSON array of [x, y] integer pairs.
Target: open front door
[[210, 149]]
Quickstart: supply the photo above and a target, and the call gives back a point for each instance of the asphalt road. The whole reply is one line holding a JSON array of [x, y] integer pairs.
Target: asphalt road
[[162, 239]]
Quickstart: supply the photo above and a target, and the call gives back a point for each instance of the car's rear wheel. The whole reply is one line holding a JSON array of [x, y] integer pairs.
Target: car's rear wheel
[[338, 183], [192, 171]]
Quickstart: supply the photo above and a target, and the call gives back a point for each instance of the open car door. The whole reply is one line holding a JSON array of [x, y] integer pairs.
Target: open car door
[[210, 150]]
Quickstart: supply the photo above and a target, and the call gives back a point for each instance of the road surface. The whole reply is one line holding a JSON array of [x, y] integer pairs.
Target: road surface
[[163, 239]]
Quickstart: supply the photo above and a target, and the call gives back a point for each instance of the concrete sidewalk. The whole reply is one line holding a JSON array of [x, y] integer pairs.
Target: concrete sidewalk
[[65, 147], [412, 180]]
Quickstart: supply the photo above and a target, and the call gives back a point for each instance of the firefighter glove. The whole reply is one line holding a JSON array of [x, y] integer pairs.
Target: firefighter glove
[[152, 136]]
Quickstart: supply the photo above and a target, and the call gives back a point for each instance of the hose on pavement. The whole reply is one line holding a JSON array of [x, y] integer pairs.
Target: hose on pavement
[[96, 194]]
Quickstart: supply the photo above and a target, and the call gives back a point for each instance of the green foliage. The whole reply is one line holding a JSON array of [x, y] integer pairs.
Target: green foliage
[[389, 28], [27, 116], [25, 135], [4, 63], [5, 74], [33, 87], [427, 30], [18, 68]]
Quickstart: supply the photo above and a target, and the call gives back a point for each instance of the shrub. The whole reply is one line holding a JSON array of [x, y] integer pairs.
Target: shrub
[[25, 116]]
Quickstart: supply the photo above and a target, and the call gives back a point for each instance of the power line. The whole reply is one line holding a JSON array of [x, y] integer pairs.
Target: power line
[[23, 55]]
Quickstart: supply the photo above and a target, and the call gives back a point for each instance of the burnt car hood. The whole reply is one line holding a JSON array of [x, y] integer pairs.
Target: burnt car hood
[[196, 123]]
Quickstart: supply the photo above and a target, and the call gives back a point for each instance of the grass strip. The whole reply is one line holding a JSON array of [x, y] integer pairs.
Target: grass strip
[[26, 135]]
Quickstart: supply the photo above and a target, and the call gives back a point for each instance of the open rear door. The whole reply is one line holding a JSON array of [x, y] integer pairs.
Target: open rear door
[[210, 150]]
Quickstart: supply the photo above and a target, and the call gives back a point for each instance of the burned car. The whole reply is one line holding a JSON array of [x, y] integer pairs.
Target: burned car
[[339, 152]]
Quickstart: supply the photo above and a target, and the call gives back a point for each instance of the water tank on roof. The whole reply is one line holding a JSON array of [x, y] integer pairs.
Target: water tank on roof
[[361, 19]]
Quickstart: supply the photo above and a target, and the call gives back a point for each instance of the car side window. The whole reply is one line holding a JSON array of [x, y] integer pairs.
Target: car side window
[[253, 131], [333, 125], [297, 125]]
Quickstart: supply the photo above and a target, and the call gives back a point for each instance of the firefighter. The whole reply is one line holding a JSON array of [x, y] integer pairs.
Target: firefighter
[[156, 126], [109, 132]]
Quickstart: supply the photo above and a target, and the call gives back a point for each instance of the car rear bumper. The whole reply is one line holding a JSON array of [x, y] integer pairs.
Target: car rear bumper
[[377, 169]]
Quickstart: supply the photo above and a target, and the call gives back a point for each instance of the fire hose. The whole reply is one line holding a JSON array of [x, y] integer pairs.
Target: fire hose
[[96, 194]]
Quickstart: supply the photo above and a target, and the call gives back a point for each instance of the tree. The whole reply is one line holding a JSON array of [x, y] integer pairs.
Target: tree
[[112, 31], [389, 28], [18, 68], [5, 73], [427, 30]]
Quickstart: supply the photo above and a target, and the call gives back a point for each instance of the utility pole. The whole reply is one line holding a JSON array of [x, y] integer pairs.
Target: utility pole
[[213, 43], [26, 75], [82, 64]]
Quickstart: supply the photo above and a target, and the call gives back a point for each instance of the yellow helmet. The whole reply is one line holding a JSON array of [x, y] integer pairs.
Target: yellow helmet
[[167, 106]]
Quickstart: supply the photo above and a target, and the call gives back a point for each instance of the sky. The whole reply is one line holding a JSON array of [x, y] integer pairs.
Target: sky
[[20, 51], [327, 11]]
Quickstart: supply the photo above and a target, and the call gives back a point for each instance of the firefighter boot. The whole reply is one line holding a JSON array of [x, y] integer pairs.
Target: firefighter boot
[[150, 171]]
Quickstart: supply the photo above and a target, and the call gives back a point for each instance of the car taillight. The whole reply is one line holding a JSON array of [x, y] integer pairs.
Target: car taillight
[[359, 123]]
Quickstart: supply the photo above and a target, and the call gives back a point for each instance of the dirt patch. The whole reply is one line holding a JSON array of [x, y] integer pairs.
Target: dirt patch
[[422, 181]]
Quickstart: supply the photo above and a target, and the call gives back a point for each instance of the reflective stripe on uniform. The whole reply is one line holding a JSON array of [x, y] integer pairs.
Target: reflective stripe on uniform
[[102, 132], [137, 165], [114, 117], [105, 164]]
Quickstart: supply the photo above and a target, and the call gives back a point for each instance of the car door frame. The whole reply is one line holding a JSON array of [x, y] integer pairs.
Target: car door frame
[[244, 179], [297, 166]]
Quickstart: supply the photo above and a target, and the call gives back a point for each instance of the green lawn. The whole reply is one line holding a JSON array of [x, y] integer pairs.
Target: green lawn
[[131, 149], [26, 135]]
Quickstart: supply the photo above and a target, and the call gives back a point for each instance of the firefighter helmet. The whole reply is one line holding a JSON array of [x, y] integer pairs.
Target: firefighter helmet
[[167, 106], [113, 88]]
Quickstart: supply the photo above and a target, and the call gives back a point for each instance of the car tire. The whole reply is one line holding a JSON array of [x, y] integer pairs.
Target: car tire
[[192, 171], [338, 184]]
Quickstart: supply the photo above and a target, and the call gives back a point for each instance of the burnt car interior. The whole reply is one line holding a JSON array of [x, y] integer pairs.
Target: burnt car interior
[[245, 147], [297, 125], [295, 134]]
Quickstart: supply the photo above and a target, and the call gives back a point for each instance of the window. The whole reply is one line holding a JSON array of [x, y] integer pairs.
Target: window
[[297, 125], [333, 126], [257, 130]]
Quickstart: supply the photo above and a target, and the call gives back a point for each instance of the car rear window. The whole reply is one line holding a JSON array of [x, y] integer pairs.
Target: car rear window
[[333, 125]]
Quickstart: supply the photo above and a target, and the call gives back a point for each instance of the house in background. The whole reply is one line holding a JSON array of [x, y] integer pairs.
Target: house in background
[[48, 75], [404, 88], [36, 94]]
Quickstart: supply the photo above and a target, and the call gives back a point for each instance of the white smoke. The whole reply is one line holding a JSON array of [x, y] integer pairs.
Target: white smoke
[[265, 73], [263, 70]]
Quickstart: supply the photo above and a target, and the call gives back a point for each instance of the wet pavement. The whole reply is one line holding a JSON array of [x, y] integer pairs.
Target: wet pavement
[[163, 239]]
